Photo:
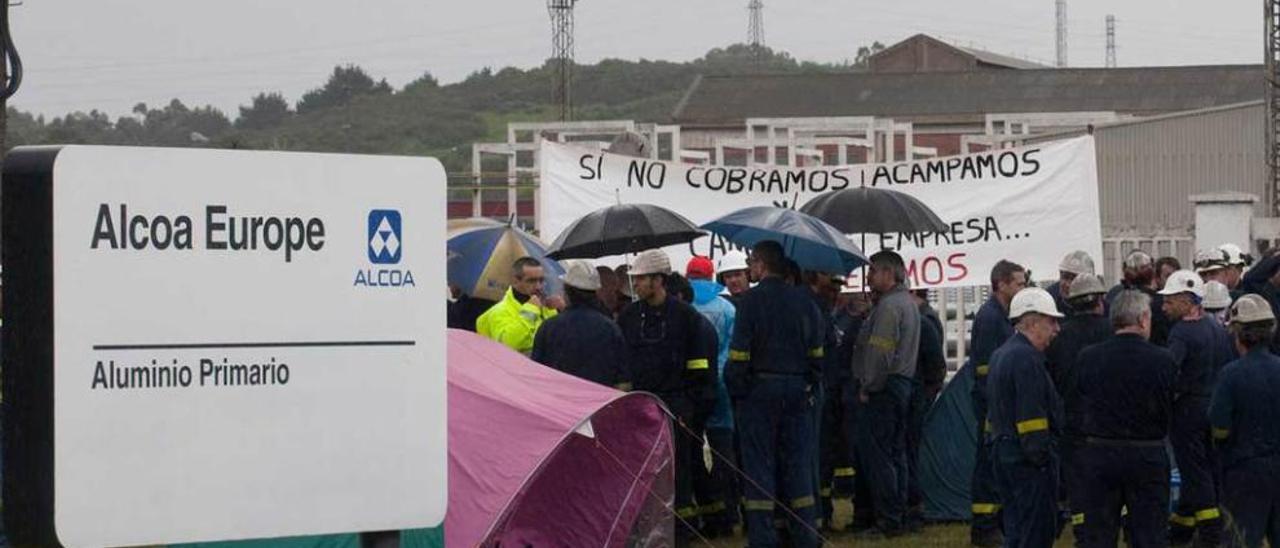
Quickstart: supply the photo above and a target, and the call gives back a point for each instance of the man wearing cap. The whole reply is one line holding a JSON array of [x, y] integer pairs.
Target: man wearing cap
[[774, 368], [669, 358], [1026, 420], [1124, 388], [734, 274], [884, 367], [719, 506], [1237, 261], [1200, 347], [515, 319], [991, 328], [1211, 265], [1076, 263], [1263, 278], [1085, 325], [583, 341], [1245, 414], [1140, 274], [1217, 299]]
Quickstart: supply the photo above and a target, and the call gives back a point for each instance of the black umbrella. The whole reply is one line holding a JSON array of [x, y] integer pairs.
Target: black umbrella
[[620, 229], [874, 211]]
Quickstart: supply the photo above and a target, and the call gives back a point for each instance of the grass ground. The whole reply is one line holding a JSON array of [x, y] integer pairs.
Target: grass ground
[[934, 536]]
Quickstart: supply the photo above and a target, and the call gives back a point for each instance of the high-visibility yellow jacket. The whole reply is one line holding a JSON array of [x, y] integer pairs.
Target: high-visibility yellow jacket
[[513, 323]]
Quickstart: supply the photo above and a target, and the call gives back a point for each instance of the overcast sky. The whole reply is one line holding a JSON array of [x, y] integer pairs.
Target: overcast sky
[[109, 55]]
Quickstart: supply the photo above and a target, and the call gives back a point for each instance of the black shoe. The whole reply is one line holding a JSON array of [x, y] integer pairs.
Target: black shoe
[[991, 538], [914, 522], [1180, 536], [915, 525]]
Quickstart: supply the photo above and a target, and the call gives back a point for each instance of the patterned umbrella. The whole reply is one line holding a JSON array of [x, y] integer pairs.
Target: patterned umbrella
[[480, 254]]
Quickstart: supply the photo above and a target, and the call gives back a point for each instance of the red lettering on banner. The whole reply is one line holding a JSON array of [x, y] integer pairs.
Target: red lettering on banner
[[934, 270]]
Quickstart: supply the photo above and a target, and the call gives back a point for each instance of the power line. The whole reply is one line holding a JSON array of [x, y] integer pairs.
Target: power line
[[561, 12], [755, 28], [1111, 41], [1272, 11], [1062, 33]]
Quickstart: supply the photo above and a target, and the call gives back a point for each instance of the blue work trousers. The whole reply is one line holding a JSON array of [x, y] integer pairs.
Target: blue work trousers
[[882, 451], [778, 433], [1109, 479], [1251, 497], [1030, 494]]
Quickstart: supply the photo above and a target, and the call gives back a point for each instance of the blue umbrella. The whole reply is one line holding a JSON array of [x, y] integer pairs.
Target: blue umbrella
[[807, 240], [480, 254]]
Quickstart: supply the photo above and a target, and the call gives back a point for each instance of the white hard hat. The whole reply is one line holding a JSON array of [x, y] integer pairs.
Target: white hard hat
[[1137, 259], [580, 274], [1183, 281], [653, 261], [1208, 260], [1234, 255], [1086, 284], [731, 261], [1077, 262], [1216, 296], [1249, 309], [1033, 299]]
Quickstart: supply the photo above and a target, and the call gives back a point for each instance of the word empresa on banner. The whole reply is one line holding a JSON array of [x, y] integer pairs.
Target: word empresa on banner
[[1030, 204], [186, 356]]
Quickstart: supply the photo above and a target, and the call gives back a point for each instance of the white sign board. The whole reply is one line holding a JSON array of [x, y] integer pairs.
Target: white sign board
[[245, 344], [1030, 205]]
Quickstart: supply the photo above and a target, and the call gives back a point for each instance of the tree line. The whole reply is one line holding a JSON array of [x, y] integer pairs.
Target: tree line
[[354, 112]]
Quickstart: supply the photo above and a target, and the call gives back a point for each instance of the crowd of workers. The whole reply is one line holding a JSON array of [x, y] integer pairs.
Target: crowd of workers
[[805, 391]]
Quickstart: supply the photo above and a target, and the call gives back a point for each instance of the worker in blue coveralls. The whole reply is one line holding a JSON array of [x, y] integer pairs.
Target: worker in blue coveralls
[[991, 328], [824, 290], [774, 367], [1245, 415], [1200, 347], [1026, 419], [852, 308], [884, 368], [1263, 278], [670, 354], [1124, 393], [718, 488], [1085, 325]]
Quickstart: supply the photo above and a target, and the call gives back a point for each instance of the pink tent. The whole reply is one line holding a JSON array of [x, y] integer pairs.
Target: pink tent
[[540, 458]]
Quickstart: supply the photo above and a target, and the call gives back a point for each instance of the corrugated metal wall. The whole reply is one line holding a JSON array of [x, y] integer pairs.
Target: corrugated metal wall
[[1147, 169]]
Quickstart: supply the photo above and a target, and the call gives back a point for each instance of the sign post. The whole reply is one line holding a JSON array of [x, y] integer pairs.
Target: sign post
[[212, 345]]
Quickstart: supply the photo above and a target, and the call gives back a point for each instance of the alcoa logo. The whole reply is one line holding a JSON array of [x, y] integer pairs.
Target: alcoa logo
[[384, 236], [385, 248]]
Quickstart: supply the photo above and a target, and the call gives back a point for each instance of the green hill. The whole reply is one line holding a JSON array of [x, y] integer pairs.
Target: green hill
[[353, 112]]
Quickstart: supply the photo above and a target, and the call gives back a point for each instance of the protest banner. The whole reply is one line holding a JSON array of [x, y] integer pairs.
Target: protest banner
[[1031, 205]]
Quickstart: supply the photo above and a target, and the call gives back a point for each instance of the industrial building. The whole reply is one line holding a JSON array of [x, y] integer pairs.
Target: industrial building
[[1182, 154], [1164, 134]]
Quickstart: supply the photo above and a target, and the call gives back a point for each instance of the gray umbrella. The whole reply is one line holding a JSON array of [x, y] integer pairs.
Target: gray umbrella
[[874, 211], [621, 229]]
